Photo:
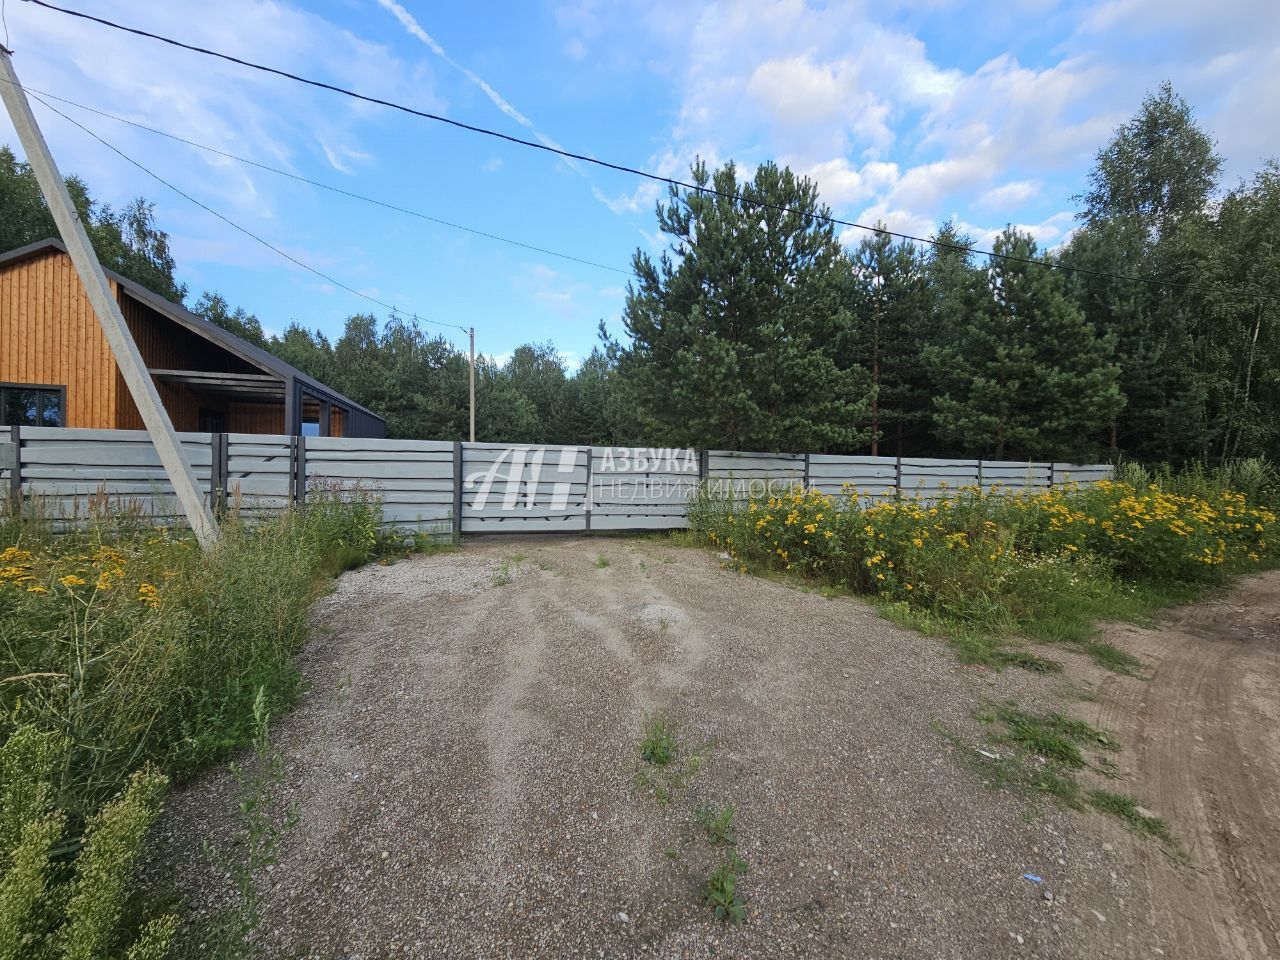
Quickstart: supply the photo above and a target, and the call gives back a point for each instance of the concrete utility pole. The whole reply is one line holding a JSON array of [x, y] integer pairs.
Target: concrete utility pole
[[123, 348], [472, 332]]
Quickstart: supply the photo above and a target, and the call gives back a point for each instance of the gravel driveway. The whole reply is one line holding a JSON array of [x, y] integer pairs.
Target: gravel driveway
[[465, 761]]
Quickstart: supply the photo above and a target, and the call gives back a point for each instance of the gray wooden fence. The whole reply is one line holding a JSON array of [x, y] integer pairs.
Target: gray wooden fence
[[442, 487]]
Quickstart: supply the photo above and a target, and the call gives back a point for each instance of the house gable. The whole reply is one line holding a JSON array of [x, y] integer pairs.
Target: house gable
[[50, 337]]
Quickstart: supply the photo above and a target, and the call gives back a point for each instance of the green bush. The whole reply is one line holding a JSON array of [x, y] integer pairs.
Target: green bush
[[1044, 563]]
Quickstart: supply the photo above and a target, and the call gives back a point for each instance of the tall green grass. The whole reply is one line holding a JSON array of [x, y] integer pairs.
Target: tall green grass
[[126, 652]]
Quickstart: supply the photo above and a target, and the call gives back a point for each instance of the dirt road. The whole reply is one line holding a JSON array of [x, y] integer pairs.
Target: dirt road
[[465, 771], [1202, 738]]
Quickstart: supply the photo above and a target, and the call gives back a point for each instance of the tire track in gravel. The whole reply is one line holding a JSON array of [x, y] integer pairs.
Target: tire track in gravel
[[1202, 739]]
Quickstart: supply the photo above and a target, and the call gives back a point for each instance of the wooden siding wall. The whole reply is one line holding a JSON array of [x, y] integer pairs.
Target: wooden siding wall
[[166, 346], [256, 418], [50, 335]]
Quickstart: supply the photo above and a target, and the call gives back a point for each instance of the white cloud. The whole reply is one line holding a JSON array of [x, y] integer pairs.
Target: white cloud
[[208, 101], [340, 157], [925, 186], [581, 20], [799, 91], [1009, 194], [415, 29], [862, 109], [842, 183], [821, 102]]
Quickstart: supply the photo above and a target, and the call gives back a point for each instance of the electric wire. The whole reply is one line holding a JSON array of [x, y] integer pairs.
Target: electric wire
[[248, 233], [609, 165], [317, 183]]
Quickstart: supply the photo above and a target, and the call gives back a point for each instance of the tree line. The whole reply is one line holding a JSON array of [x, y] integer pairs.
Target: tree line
[[758, 328]]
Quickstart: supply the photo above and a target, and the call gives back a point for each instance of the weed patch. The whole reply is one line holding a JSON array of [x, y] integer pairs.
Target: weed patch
[[1056, 737], [1128, 810], [665, 766], [985, 569], [717, 823], [658, 747], [721, 892], [1043, 755]]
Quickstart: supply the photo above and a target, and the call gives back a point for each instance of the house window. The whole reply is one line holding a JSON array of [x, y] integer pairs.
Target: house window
[[25, 405]]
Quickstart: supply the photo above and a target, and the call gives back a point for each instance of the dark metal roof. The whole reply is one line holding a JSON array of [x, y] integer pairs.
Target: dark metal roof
[[199, 325]]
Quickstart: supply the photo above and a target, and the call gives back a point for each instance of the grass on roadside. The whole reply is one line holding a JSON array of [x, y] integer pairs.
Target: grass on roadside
[[990, 570], [1127, 809], [1058, 738], [1044, 755], [134, 657]]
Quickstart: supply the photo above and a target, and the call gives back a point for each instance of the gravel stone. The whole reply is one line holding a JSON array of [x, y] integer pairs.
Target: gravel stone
[[464, 769]]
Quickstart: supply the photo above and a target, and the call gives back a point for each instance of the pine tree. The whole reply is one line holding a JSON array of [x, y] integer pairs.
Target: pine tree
[[955, 290], [889, 311], [536, 371], [735, 333], [593, 411], [1027, 376], [1164, 414]]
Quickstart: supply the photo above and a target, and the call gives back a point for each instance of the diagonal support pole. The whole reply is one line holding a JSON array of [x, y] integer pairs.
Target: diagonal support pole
[[123, 348]]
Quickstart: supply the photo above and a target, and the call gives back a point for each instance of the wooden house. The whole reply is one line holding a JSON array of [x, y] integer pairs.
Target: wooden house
[[57, 370]]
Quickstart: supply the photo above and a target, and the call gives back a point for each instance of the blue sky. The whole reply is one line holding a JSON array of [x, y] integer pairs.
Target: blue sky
[[905, 112]]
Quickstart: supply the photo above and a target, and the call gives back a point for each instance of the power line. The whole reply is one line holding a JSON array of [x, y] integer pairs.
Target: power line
[[231, 223], [621, 168], [321, 185]]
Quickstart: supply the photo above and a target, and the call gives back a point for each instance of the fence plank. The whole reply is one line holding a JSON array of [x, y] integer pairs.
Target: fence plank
[[486, 487]]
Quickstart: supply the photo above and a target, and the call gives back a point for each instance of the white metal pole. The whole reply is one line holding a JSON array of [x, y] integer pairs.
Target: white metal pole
[[123, 348], [472, 333]]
